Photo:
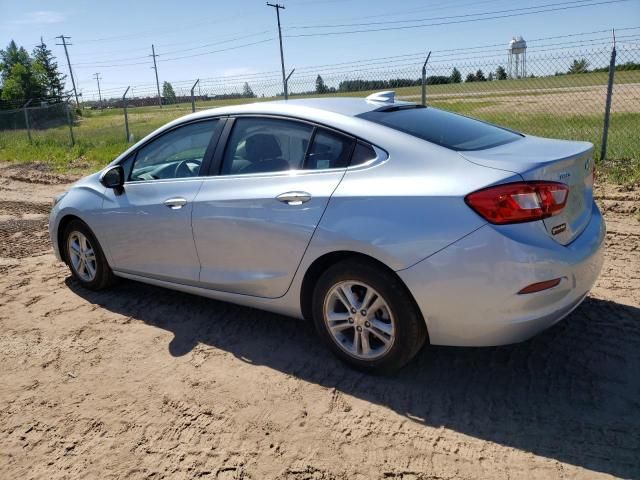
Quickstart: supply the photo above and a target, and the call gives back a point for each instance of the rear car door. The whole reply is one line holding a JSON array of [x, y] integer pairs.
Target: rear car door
[[148, 225], [254, 217]]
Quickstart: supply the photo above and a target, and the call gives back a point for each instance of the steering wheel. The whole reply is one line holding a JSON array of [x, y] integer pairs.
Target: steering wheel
[[183, 170]]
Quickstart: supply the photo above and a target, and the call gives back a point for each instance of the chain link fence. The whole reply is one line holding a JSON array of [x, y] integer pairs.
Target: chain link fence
[[556, 92]]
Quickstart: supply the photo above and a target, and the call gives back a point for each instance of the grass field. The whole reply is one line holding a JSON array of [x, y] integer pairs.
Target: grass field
[[567, 106]]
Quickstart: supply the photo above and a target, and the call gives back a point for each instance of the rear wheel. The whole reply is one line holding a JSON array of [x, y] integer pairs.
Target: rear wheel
[[366, 316], [85, 257]]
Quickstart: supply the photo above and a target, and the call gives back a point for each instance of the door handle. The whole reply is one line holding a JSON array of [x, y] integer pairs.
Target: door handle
[[175, 203], [294, 198]]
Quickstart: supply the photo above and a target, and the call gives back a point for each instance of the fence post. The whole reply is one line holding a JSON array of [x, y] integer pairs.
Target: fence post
[[126, 118], [70, 123], [193, 100], [26, 120], [286, 84], [607, 108], [424, 80]]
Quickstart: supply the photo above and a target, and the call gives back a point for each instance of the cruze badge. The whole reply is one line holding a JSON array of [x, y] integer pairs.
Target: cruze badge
[[564, 175], [558, 229]]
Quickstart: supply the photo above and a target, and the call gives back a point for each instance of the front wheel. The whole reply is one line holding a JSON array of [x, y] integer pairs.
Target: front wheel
[[367, 317], [85, 257]]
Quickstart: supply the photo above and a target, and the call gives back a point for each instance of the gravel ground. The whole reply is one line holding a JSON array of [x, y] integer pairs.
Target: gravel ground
[[141, 382]]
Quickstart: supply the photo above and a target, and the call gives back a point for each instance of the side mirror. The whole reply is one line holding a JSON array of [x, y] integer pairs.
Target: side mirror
[[113, 178]]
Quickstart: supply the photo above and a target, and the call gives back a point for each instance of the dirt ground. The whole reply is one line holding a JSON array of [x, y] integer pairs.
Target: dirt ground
[[141, 382]]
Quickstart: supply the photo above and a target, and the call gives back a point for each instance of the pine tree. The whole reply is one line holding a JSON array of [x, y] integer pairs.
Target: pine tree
[[480, 76], [470, 78], [45, 71], [579, 66], [456, 76], [246, 91], [501, 73], [167, 93], [321, 87]]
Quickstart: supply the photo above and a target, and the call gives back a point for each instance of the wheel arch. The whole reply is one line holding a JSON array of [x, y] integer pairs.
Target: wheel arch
[[322, 263]]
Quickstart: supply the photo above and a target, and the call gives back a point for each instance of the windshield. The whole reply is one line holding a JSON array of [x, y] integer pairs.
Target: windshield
[[446, 129]]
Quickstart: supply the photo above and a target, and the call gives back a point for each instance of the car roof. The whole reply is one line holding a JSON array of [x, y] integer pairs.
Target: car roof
[[347, 106]]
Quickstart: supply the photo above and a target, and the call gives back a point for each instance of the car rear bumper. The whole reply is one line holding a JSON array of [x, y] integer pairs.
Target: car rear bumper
[[468, 292]]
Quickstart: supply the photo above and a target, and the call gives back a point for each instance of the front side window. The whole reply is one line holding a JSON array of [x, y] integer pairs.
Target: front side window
[[446, 129], [176, 154], [261, 145]]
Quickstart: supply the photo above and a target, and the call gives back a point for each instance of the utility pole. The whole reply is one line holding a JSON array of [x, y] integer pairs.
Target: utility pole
[[73, 82], [155, 67], [277, 6], [97, 77]]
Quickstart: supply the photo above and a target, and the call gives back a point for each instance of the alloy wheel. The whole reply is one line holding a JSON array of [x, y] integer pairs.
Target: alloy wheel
[[359, 320], [82, 256]]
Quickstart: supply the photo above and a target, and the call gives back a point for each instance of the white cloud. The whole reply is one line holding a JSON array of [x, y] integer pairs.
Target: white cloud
[[39, 17]]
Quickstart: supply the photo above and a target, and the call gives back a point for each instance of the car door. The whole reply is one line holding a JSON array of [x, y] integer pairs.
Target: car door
[[148, 225], [253, 220]]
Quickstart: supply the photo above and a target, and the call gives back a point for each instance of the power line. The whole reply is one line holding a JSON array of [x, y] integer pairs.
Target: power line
[[448, 17], [220, 50], [180, 57], [398, 13], [406, 27], [97, 61]]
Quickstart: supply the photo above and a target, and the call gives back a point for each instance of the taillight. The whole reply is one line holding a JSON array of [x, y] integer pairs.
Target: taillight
[[519, 202]]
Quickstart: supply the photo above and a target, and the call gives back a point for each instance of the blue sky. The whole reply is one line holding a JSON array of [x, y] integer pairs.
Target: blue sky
[[121, 32]]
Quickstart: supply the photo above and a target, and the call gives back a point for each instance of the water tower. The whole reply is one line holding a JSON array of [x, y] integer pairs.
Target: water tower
[[517, 58]]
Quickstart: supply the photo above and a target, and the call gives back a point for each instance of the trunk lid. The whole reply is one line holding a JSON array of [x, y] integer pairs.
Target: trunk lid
[[535, 158]]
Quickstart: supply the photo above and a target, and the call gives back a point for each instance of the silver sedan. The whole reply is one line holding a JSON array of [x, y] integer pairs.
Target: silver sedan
[[388, 224]]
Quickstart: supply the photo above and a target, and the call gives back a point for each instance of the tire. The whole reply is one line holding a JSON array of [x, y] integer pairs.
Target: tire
[[398, 321], [96, 274]]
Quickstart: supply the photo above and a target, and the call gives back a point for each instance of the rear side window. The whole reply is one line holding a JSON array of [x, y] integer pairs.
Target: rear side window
[[363, 153], [329, 150], [443, 128], [265, 145]]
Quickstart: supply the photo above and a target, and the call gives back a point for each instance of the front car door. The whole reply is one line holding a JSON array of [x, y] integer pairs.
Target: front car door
[[148, 226], [253, 221]]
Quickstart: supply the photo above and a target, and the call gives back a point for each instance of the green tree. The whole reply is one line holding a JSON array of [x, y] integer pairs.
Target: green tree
[[246, 91], [14, 83], [167, 93], [470, 78], [321, 87], [456, 76], [480, 76], [45, 71], [16, 74], [501, 73], [579, 66]]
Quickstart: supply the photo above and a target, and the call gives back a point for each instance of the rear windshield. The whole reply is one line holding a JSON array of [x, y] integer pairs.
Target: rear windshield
[[443, 128]]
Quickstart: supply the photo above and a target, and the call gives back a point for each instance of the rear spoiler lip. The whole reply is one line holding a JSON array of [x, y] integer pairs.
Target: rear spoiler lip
[[517, 161]]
